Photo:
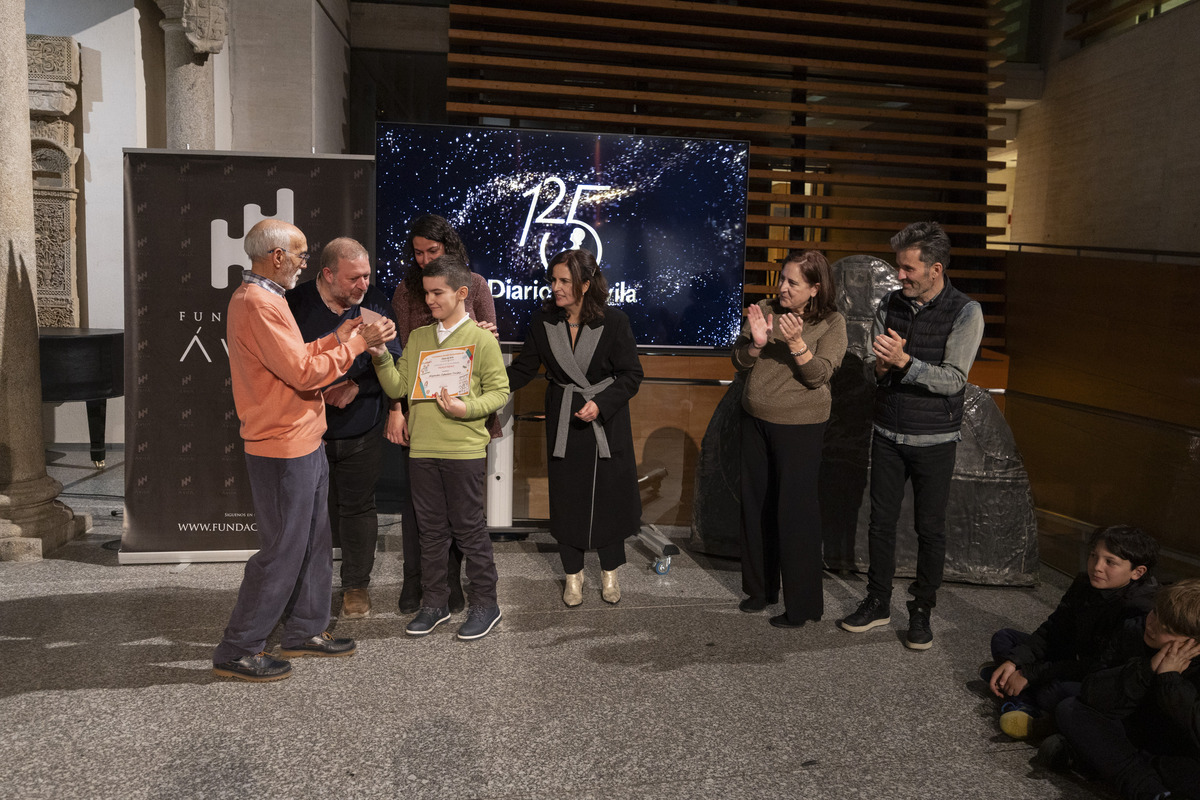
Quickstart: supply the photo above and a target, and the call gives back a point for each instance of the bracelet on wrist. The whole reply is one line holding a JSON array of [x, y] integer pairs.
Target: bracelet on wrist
[[798, 353]]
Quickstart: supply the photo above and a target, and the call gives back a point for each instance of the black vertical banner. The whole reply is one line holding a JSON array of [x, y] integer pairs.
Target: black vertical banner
[[186, 214]]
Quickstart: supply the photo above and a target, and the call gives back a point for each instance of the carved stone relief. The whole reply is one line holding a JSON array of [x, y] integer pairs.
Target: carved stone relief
[[205, 22], [52, 58], [53, 73]]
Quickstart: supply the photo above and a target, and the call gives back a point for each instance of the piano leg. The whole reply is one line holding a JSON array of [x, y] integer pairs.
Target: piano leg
[[96, 418]]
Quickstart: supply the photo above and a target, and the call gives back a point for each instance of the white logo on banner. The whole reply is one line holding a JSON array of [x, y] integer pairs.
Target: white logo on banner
[[227, 252]]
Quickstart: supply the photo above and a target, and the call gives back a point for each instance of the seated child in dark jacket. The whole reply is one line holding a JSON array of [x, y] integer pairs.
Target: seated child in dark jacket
[[1138, 726], [1098, 624]]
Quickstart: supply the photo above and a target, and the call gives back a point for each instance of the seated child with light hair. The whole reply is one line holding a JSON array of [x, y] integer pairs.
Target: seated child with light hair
[[1137, 726]]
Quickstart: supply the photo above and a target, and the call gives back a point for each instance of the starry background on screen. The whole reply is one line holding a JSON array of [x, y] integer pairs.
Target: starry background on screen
[[671, 224]]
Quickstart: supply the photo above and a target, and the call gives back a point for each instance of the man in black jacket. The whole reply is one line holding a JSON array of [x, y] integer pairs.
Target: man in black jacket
[[356, 412], [926, 335]]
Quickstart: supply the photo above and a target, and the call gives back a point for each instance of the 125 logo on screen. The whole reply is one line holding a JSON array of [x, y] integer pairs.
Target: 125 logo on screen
[[580, 231]]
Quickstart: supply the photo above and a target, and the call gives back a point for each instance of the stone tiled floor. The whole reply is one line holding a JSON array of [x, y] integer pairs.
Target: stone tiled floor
[[106, 689]]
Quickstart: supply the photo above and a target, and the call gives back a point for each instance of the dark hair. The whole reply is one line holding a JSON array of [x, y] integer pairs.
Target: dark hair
[[1177, 606], [452, 268], [1125, 541], [814, 268], [929, 236], [584, 269], [435, 229]]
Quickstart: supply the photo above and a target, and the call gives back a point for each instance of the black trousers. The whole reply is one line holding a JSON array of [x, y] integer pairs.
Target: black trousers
[[1046, 695], [611, 556], [1140, 756], [781, 515], [354, 466], [930, 470], [449, 497], [410, 530]]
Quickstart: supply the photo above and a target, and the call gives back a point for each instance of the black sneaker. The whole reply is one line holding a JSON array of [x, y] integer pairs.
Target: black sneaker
[[871, 613], [920, 635], [426, 620], [323, 645], [258, 668]]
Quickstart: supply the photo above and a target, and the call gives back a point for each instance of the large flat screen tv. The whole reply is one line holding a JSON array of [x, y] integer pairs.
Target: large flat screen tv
[[664, 216]]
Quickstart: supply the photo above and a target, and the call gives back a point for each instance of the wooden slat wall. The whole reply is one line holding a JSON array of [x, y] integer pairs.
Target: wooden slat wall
[[863, 115]]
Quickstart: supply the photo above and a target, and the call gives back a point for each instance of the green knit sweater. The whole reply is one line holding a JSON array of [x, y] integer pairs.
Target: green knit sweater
[[433, 433]]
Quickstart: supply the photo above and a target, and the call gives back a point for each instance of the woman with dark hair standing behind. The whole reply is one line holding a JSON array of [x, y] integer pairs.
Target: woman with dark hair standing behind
[[429, 237], [789, 348], [592, 365]]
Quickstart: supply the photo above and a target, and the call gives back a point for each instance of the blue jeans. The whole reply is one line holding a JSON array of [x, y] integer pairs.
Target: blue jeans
[[291, 574], [930, 470]]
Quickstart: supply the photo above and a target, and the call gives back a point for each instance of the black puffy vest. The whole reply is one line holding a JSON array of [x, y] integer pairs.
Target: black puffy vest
[[906, 408]]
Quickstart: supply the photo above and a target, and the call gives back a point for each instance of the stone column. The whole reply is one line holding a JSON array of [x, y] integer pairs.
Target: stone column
[[31, 520], [194, 29], [53, 70]]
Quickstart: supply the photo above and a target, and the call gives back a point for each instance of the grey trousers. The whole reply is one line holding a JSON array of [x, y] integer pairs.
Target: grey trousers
[[291, 574]]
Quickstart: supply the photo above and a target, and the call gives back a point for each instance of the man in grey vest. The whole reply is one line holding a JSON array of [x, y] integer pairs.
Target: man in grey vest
[[925, 337]]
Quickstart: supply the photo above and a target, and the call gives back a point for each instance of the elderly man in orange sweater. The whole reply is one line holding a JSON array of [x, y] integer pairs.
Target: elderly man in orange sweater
[[277, 379]]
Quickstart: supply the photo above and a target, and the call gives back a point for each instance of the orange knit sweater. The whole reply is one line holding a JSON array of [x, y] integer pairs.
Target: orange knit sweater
[[277, 376]]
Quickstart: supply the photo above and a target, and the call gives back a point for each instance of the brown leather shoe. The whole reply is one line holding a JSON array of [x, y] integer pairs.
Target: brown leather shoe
[[356, 604]]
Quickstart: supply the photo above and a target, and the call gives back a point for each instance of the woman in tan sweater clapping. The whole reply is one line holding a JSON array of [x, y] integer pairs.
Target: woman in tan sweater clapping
[[789, 347]]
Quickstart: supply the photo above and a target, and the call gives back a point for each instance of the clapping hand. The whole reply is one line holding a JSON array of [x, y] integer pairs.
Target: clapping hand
[[889, 350], [452, 406], [792, 328], [760, 326]]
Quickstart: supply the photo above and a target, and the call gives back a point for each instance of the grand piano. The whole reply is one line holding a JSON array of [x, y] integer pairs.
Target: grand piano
[[84, 364]]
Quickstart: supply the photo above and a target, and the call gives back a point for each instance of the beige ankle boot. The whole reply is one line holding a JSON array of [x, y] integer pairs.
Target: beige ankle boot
[[610, 590], [573, 592]]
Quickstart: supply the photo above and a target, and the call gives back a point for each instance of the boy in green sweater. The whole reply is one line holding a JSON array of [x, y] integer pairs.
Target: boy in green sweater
[[453, 374]]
